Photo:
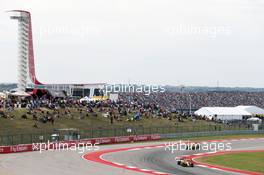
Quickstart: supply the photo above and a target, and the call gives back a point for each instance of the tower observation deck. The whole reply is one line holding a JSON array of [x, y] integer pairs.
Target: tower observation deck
[[26, 66]]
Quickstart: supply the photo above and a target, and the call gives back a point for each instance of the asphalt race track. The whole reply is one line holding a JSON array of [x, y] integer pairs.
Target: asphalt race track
[[72, 162], [164, 161]]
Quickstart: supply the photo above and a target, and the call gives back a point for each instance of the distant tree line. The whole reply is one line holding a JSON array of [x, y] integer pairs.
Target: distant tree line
[[7, 86]]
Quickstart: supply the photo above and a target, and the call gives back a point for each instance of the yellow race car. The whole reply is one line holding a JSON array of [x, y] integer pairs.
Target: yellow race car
[[184, 162]]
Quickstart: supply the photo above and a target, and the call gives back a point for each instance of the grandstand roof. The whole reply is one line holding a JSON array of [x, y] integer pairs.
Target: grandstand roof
[[254, 110]]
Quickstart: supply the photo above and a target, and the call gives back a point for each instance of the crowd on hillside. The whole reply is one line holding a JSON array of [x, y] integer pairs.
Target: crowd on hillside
[[74, 109], [136, 105]]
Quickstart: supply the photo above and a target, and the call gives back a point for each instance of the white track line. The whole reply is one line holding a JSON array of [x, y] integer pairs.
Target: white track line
[[145, 170], [120, 164], [132, 167], [135, 149]]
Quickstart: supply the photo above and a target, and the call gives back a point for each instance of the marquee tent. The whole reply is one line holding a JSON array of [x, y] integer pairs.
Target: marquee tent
[[222, 113], [254, 110], [2, 95]]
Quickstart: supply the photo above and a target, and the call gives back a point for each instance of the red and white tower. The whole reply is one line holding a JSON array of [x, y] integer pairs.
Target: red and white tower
[[26, 65]]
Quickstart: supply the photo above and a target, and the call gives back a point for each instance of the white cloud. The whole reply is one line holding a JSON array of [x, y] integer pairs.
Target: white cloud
[[116, 40]]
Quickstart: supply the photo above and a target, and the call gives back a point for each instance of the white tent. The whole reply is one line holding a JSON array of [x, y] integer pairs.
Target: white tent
[[85, 99], [2, 95], [254, 110], [254, 119], [222, 113]]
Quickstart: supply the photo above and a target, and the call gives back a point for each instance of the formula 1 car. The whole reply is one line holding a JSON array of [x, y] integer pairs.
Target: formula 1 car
[[184, 162], [193, 146]]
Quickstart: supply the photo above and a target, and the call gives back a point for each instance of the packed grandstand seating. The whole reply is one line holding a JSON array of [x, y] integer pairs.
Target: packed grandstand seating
[[173, 101], [177, 101]]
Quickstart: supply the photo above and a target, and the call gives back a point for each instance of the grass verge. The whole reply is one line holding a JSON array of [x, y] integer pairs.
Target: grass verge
[[236, 136], [243, 161]]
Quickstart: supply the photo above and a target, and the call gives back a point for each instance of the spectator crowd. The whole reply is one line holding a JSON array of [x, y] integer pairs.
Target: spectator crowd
[[181, 101], [136, 105]]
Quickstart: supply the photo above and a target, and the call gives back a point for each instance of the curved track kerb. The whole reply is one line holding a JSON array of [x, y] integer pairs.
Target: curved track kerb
[[98, 157]]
